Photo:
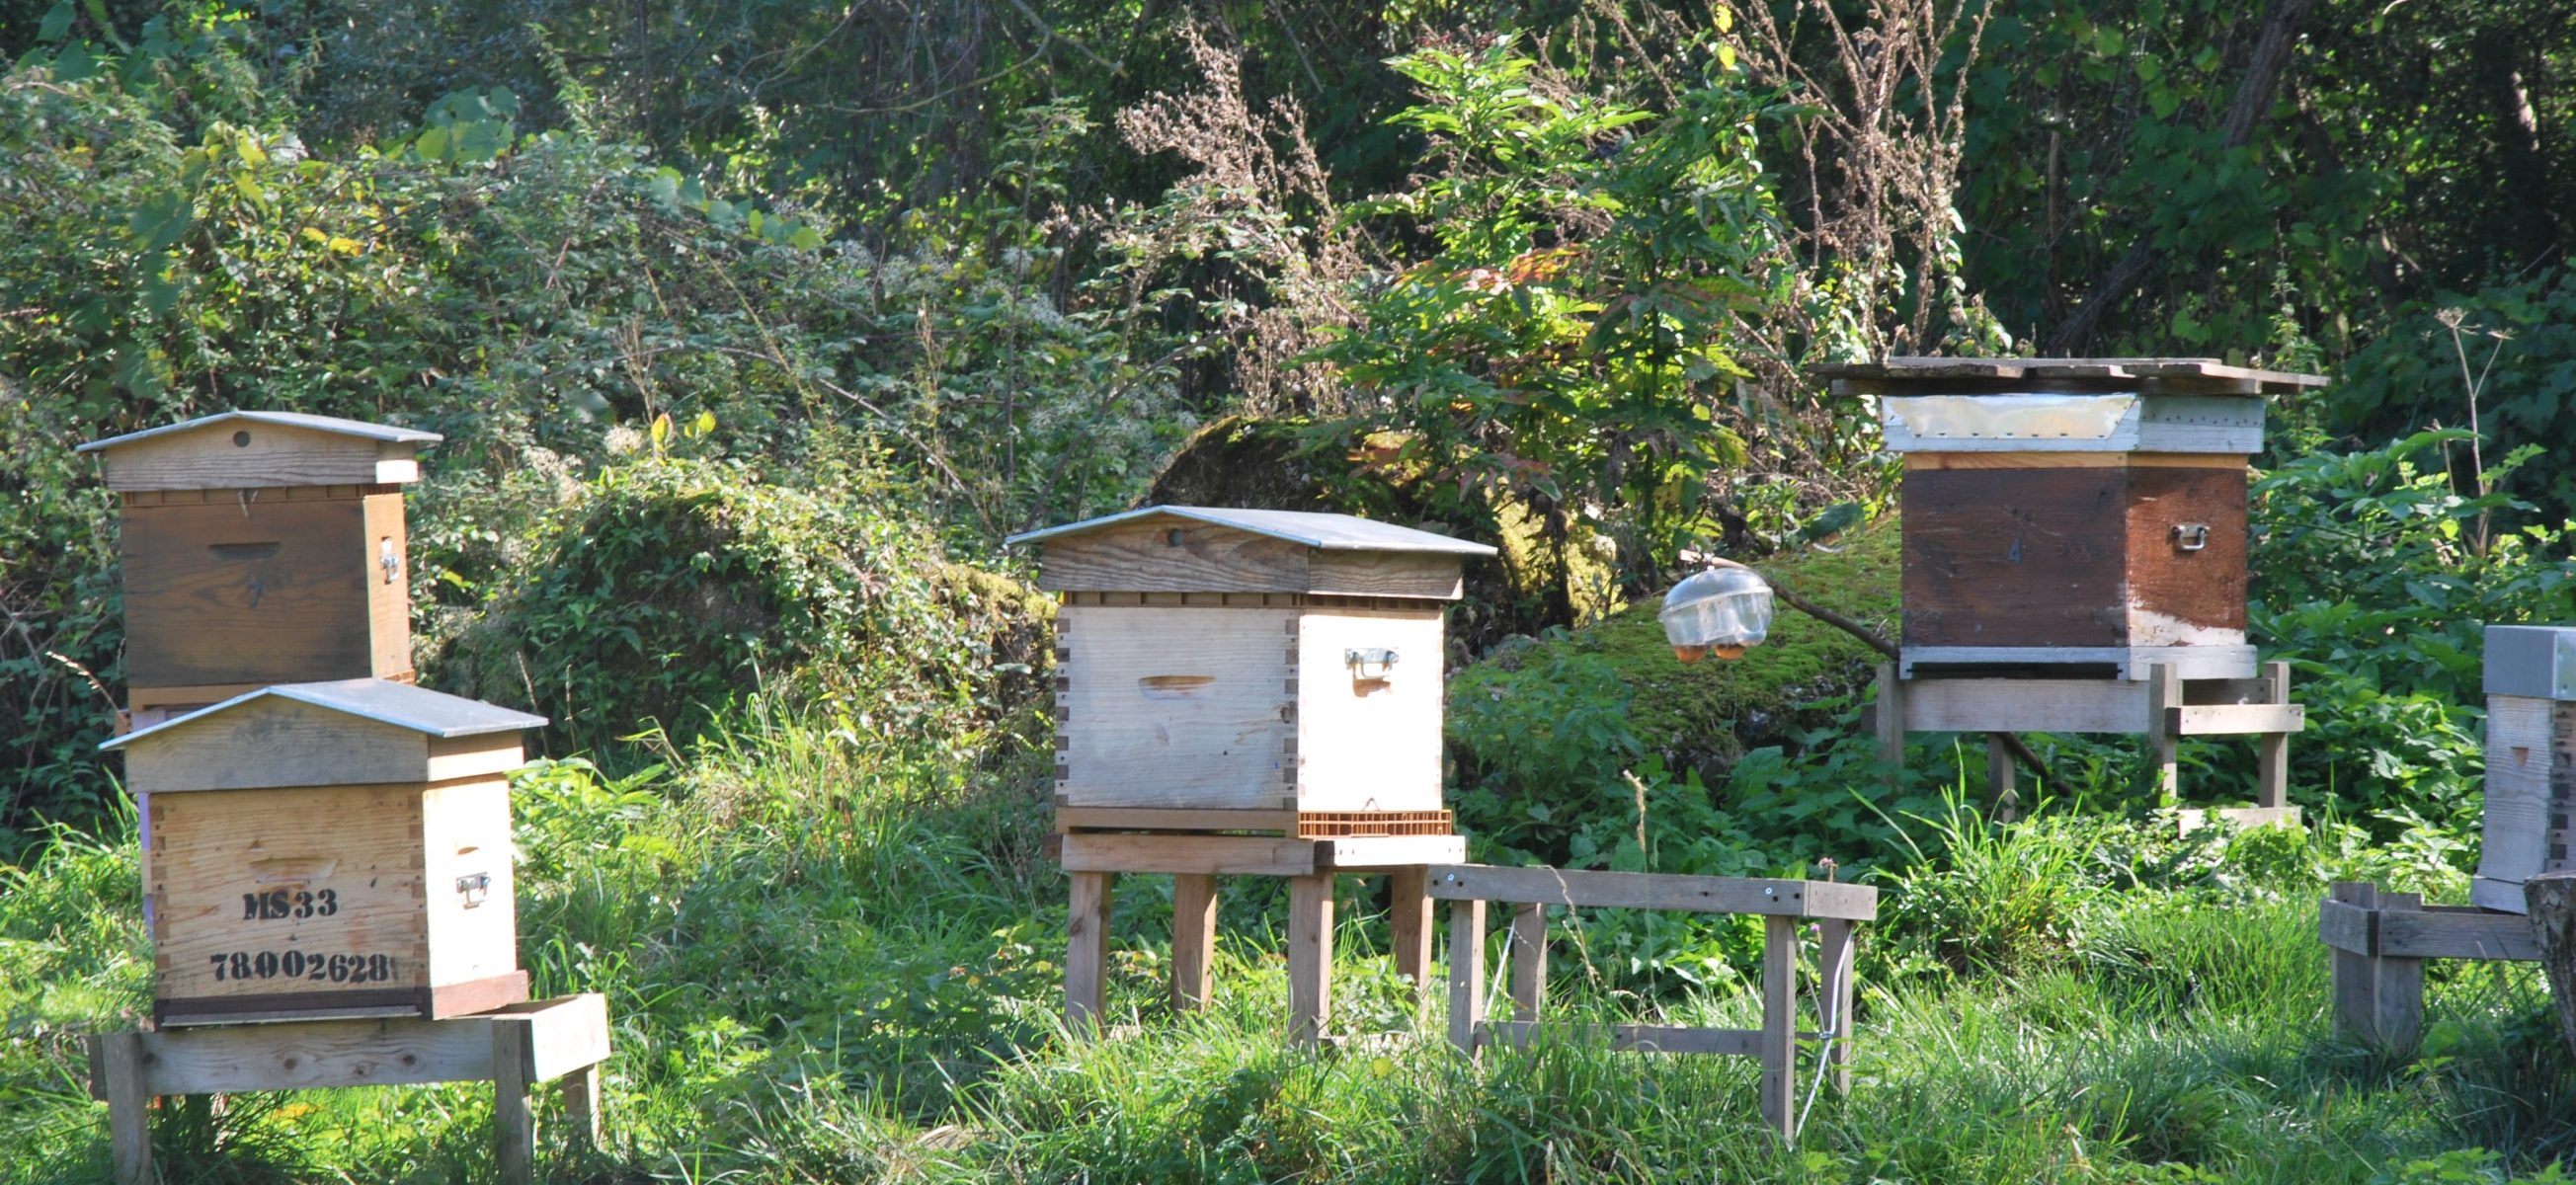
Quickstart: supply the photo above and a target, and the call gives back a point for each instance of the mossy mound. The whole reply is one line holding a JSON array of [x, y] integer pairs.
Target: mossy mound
[[1703, 715]]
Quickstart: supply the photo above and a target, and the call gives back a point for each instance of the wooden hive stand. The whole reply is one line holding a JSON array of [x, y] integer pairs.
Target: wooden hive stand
[[1835, 909], [2380, 941], [514, 1048], [2164, 707]]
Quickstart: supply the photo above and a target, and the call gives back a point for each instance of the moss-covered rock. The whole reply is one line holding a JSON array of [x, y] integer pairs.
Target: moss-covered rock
[[1704, 714]]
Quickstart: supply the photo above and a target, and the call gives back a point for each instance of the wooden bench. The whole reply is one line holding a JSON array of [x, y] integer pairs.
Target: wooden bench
[[1834, 908]]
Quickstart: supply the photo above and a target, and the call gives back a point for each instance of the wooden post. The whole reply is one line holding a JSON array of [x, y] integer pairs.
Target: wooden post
[[2551, 899], [129, 1107], [1408, 908], [580, 1093], [2378, 997], [1310, 957], [2002, 803], [1466, 973], [514, 1117], [2272, 785], [2164, 690], [1529, 959], [1836, 954], [1891, 722], [1086, 958], [1779, 1035], [1193, 940]]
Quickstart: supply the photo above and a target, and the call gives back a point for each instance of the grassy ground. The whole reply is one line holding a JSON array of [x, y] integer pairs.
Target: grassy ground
[[831, 963]]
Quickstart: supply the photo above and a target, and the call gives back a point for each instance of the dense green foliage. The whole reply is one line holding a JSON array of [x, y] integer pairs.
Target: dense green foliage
[[754, 328]]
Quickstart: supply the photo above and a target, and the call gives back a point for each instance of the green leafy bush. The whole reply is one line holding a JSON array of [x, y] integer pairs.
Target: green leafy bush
[[666, 588]]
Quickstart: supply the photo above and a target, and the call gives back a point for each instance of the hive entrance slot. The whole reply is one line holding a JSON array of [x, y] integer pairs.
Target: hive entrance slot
[[242, 551]]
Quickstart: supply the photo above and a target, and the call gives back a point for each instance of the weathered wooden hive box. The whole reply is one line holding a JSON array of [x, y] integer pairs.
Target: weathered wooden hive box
[[1266, 661], [258, 548], [329, 849], [2085, 516], [2531, 760]]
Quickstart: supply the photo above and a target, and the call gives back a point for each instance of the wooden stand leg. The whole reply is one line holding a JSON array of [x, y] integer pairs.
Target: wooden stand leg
[[2003, 803], [1193, 940], [1835, 954], [1310, 957], [129, 1110], [2378, 998], [1529, 959], [514, 1117], [1086, 957], [1891, 722], [1409, 916], [580, 1093], [1466, 973], [2164, 690], [1779, 1038], [2272, 788]]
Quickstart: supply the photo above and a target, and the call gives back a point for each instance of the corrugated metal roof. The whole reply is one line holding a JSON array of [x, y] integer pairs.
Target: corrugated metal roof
[[289, 419], [1326, 532], [402, 705]]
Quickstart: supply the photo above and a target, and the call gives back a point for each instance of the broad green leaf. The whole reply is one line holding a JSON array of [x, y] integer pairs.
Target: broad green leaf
[[162, 221], [58, 21]]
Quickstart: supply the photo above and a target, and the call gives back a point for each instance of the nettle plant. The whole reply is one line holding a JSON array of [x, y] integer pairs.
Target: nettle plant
[[1567, 343]]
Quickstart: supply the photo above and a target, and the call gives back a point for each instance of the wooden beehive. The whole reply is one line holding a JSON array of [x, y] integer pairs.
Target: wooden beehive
[[258, 548], [2531, 760], [2083, 515], [331, 849], [1215, 660]]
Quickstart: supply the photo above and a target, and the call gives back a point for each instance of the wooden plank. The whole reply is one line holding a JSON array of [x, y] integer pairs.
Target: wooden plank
[[1837, 950], [303, 897], [2515, 824], [2503, 896], [2014, 558], [2125, 662], [229, 1059], [453, 758], [2069, 460], [2179, 596], [470, 914], [1193, 941], [2201, 424], [1233, 855], [2397, 984], [1466, 973], [121, 1077], [2164, 696], [1778, 1042], [1527, 944], [1178, 707], [582, 1104], [1310, 957], [2026, 705], [258, 592], [1628, 1038], [191, 697], [1894, 710], [1426, 575], [1409, 918], [1162, 554], [1086, 959], [2347, 927], [2272, 765], [1642, 890], [1354, 852], [2234, 719], [514, 1113], [388, 590], [248, 455], [1119, 818], [1368, 744], [565, 1033], [2457, 934], [276, 742], [2002, 800]]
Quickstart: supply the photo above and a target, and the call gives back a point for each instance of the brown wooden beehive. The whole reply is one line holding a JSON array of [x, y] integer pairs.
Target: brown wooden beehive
[[2081, 515], [331, 849], [1281, 665], [258, 548], [2531, 761]]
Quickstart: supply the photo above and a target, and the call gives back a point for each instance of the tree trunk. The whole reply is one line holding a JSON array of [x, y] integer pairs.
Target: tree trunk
[[2551, 898], [2253, 98]]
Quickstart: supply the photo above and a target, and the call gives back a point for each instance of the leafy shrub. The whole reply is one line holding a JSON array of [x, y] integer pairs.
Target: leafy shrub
[[666, 588]]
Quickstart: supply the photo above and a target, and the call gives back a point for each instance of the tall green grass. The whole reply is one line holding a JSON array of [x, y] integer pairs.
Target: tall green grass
[[833, 957]]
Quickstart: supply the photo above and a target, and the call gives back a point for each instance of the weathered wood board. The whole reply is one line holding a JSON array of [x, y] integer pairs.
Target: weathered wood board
[[2530, 795], [256, 455], [269, 590], [1176, 706], [2027, 557], [276, 741]]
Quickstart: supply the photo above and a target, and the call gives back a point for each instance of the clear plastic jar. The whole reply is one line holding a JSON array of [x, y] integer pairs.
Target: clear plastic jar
[[1721, 610]]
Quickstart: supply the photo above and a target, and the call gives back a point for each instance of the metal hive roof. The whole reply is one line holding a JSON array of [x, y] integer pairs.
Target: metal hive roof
[[2269, 381], [287, 419], [1324, 532], [402, 705]]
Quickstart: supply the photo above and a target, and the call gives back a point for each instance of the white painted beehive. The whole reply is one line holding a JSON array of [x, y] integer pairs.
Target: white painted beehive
[[2531, 760]]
